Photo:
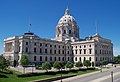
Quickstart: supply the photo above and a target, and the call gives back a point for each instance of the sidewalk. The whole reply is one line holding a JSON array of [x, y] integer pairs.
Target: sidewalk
[[80, 76]]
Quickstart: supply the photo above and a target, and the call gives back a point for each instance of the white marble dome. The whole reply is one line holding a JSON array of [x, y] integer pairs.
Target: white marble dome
[[67, 18]]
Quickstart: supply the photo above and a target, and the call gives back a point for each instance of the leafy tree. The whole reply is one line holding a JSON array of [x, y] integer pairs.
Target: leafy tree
[[3, 62], [79, 64], [87, 63], [104, 62], [93, 64], [69, 64], [58, 65], [117, 59], [24, 61], [46, 66]]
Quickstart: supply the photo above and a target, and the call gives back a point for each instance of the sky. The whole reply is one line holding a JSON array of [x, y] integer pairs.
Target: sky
[[16, 15]]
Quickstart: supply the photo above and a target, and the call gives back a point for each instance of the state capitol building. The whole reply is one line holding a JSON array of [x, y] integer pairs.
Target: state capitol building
[[67, 45]]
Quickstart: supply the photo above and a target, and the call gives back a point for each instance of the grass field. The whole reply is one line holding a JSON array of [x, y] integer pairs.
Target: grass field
[[14, 78]]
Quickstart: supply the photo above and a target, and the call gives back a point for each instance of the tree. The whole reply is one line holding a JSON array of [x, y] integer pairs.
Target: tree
[[117, 59], [24, 61], [58, 65], [46, 66], [104, 62], [79, 64], [3, 62], [87, 63], [69, 64]]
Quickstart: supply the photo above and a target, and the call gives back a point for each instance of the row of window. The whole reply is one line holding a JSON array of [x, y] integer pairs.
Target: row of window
[[46, 45], [81, 46], [103, 52], [46, 51], [76, 59], [84, 51], [52, 58]]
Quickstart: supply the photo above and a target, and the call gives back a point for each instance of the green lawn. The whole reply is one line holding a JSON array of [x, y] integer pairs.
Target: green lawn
[[14, 78]]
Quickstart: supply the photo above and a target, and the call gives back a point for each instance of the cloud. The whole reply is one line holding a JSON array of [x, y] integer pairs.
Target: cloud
[[116, 50]]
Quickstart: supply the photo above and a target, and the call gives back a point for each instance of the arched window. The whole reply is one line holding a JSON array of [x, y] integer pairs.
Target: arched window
[[75, 58], [55, 58], [50, 58], [59, 59], [84, 58], [40, 58], [64, 31], [46, 58], [62, 58], [69, 31], [34, 58], [90, 58], [80, 59]]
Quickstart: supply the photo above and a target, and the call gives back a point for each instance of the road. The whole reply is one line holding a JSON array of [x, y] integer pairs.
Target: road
[[100, 76]]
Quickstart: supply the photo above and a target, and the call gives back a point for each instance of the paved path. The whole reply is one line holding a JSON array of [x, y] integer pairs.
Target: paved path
[[104, 76]]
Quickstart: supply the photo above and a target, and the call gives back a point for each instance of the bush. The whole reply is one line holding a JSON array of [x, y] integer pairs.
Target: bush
[[69, 65], [79, 64]]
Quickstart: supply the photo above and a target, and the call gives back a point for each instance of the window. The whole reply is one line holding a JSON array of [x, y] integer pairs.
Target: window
[[95, 51], [79, 58], [45, 50], [80, 46], [46, 58], [75, 51], [40, 58], [84, 46], [76, 46], [63, 52], [50, 58], [26, 49], [90, 51], [50, 51], [35, 44], [58, 51], [34, 50], [75, 58], [54, 51], [34, 58], [90, 58], [40, 44], [63, 46], [50, 45], [84, 58], [69, 31], [26, 43], [68, 47], [45, 45], [59, 46], [68, 59], [72, 58], [55, 46], [84, 51], [96, 58], [55, 58], [100, 51], [40, 50], [68, 52], [89, 45], [59, 59], [64, 32], [80, 51], [62, 58]]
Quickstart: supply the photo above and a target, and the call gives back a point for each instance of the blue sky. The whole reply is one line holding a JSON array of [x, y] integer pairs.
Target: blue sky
[[45, 14]]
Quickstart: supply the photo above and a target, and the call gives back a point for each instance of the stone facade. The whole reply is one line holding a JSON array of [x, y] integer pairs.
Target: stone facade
[[67, 46]]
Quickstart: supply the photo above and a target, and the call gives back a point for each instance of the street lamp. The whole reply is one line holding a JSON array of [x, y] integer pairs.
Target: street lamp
[[112, 76], [61, 74], [101, 69]]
